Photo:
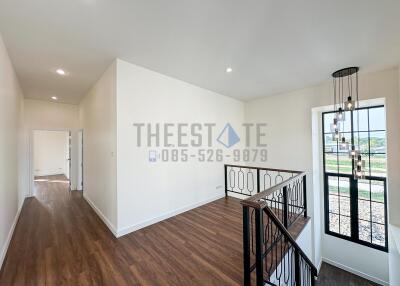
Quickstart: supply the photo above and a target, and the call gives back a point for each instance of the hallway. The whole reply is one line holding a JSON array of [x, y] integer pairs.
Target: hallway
[[57, 239]]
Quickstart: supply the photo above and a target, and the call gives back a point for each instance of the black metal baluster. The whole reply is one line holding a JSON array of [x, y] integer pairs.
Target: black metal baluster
[[297, 268], [285, 207], [305, 195], [232, 183], [246, 246], [241, 174], [226, 180]]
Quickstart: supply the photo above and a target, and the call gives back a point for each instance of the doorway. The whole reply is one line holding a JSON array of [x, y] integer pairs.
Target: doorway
[[52, 156]]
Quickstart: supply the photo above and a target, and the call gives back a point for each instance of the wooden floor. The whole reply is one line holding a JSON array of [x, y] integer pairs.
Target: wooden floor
[[59, 240], [332, 276]]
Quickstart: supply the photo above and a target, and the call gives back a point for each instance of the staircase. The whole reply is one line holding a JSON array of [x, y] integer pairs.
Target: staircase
[[273, 202]]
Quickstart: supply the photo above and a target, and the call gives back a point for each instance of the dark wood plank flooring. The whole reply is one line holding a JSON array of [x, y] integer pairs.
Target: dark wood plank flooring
[[330, 275], [59, 240]]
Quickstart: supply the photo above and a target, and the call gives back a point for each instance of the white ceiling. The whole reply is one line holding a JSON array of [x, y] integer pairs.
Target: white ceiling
[[272, 46]]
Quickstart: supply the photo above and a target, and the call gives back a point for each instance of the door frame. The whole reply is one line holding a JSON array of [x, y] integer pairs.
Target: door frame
[[80, 174], [31, 192]]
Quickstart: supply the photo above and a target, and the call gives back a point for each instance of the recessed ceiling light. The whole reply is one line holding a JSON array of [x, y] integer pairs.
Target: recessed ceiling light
[[54, 97], [229, 70], [60, 72]]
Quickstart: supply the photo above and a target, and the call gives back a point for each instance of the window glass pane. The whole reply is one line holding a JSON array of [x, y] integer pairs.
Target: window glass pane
[[378, 234], [345, 164], [333, 185], [378, 212], [328, 121], [378, 165], [330, 144], [377, 118], [331, 163], [362, 144], [377, 189], [345, 228], [363, 189], [377, 141], [334, 204], [363, 116], [345, 206], [364, 210], [364, 229], [334, 223], [344, 186]]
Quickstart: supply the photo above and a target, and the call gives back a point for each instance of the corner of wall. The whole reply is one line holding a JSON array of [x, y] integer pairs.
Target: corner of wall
[[97, 119]]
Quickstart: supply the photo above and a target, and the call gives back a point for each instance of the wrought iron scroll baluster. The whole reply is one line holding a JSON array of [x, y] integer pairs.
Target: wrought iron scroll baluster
[[276, 198], [241, 175]]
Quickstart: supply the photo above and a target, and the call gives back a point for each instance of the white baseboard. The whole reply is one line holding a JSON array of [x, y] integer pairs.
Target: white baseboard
[[9, 237], [110, 226], [164, 216], [356, 272]]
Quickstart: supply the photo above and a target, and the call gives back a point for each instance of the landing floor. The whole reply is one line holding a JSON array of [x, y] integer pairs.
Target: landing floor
[[59, 240]]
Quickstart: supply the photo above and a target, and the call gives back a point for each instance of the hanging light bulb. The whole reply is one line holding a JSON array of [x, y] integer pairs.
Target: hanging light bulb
[[353, 152], [343, 144], [340, 114], [335, 136], [335, 125], [359, 171], [349, 104], [360, 162]]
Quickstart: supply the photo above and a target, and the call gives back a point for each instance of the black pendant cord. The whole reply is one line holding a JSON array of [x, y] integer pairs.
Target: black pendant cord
[[358, 115], [334, 94], [342, 94], [351, 88], [340, 89], [348, 86]]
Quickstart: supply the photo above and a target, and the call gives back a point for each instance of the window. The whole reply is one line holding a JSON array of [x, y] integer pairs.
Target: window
[[356, 210]]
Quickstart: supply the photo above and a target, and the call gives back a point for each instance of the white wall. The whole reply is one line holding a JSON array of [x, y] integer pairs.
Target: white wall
[[289, 119], [11, 134], [394, 254], [50, 153], [394, 230], [46, 115], [149, 192], [97, 115]]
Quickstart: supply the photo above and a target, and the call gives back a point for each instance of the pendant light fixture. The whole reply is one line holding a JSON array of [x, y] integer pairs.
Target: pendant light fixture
[[344, 93]]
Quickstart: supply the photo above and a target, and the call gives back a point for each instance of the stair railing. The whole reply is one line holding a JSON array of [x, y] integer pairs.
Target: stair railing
[[274, 200]]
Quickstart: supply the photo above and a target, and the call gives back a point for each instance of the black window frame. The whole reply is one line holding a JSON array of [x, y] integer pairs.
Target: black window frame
[[353, 191]]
